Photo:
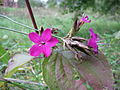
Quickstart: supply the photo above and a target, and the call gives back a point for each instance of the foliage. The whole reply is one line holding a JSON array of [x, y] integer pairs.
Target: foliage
[[61, 67], [4, 55], [21, 3], [34, 3], [15, 63], [51, 3], [103, 6], [62, 74]]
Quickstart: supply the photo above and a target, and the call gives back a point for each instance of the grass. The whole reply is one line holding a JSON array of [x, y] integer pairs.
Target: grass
[[103, 25]]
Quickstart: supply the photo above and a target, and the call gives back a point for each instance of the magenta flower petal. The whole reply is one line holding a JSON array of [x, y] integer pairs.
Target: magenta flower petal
[[46, 50], [92, 42], [95, 50], [34, 37], [52, 42], [43, 43], [94, 35], [85, 19], [35, 50], [46, 35]]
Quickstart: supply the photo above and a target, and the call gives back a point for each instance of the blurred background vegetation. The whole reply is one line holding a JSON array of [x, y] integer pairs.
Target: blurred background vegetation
[[105, 16]]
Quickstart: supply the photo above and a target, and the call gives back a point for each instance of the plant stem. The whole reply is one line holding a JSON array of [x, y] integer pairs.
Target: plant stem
[[17, 22], [13, 30], [31, 14]]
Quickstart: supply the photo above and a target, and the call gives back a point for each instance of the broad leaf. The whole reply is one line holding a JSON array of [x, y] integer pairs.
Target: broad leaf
[[65, 75], [93, 68], [48, 67], [59, 74], [16, 62]]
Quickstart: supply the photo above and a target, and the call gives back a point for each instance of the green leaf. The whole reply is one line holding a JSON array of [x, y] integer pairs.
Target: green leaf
[[58, 73], [4, 55], [16, 62], [48, 67]]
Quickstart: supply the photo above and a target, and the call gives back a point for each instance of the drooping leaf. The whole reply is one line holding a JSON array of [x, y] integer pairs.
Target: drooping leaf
[[65, 75], [93, 68], [58, 73], [16, 62], [4, 55]]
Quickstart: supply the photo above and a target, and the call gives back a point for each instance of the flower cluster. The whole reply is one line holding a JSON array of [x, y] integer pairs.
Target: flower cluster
[[83, 20], [92, 42], [45, 41]]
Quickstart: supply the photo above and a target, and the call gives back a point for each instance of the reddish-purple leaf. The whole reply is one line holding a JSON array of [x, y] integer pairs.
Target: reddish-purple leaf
[[65, 75], [93, 68], [58, 73]]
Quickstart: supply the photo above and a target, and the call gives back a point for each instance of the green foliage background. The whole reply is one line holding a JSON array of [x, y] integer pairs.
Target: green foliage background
[[103, 6]]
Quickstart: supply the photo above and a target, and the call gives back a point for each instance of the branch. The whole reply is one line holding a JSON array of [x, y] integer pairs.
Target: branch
[[13, 30], [17, 22], [31, 15], [73, 30], [21, 81]]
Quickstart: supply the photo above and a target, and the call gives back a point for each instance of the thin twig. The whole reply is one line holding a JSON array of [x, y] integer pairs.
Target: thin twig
[[17, 22], [13, 30], [18, 85], [22, 81], [31, 15]]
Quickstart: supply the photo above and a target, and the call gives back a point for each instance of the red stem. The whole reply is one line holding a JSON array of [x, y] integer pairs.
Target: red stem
[[31, 14]]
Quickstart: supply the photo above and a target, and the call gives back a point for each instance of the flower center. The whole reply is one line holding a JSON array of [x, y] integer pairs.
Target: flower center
[[43, 43]]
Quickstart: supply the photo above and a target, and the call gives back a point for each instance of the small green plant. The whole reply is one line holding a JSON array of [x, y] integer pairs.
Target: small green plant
[[73, 56]]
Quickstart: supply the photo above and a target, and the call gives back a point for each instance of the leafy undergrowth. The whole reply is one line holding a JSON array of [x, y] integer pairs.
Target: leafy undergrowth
[[13, 43]]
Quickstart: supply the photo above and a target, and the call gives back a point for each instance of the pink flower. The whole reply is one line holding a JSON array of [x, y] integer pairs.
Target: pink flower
[[92, 42], [85, 19], [43, 43]]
